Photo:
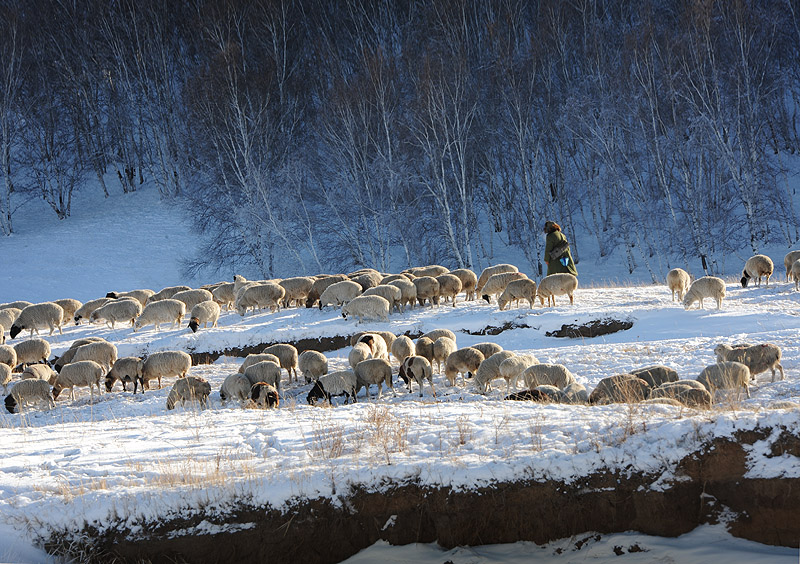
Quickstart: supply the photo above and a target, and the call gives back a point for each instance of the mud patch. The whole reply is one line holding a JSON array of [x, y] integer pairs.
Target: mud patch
[[496, 330], [594, 328]]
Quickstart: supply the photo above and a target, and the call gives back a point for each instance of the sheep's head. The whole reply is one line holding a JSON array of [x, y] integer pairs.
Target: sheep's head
[[11, 403], [194, 324], [109, 382], [745, 279], [317, 392], [15, 330], [403, 374], [502, 302], [486, 297], [112, 295], [56, 391]]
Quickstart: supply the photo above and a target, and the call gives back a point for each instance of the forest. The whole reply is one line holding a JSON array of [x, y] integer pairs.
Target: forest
[[310, 135]]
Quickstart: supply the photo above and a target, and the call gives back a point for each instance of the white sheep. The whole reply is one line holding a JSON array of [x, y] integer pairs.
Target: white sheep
[[522, 289], [490, 271], [287, 356], [368, 280], [442, 348], [678, 281], [656, 375], [557, 285], [264, 396], [390, 293], [575, 394], [339, 293], [489, 370], [163, 364], [312, 365], [367, 308], [374, 371], [140, 295], [408, 291], [705, 287], [190, 388], [496, 284], [39, 372], [85, 311], [5, 377], [321, 284], [433, 270], [488, 349], [224, 295], [621, 388], [402, 348], [788, 261], [757, 358], [166, 293], [204, 313], [725, 375], [424, 348], [236, 386], [376, 343], [127, 370], [427, 289], [193, 297], [161, 311], [66, 357], [37, 316], [264, 371], [28, 391], [417, 369], [8, 356], [511, 369], [690, 393], [8, 316], [296, 290], [469, 281], [32, 351], [101, 352], [463, 361], [251, 359], [757, 266], [70, 306], [556, 375], [342, 382], [436, 333], [81, 373], [20, 305], [795, 274], [449, 287], [125, 310], [359, 353], [258, 297]]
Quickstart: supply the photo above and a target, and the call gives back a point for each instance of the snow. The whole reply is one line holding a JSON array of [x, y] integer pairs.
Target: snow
[[124, 457]]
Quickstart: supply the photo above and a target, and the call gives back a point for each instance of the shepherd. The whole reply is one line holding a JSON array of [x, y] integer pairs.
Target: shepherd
[[557, 254]]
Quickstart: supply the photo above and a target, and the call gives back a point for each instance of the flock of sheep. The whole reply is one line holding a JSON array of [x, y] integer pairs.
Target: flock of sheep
[[365, 295]]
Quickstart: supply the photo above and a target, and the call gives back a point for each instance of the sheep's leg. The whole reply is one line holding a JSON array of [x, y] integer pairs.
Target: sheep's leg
[[571, 299]]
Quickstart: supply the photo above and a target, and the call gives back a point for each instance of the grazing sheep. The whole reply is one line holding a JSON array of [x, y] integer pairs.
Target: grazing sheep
[[424, 348], [756, 267], [490, 271], [542, 394], [427, 289], [342, 382], [34, 316], [161, 311], [20, 305], [390, 293], [402, 348], [418, 369], [442, 348], [436, 333], [392, 277], [575, 394], [361, 271], [469, 281], [264, 396], [489, 370], [59, 362], [205, 313], [557, 285], [163, 364], [296, 290], [102, 352], [449, 287], [488, 349], [8, 356], [86, 310], [702, 288], [433, 270], [70, 306], [556, 375], [239, 282], [359, 353], [166, 293], [264, 371], [312, 365], [190, 388], [39, 372], [322, 284], [364, 308], [259, 296], [124, 310], [81, 373], [511, 369], [725, 375], [340, 293], [523, 289], [376, 343], [788, 261], [140, 296], [8, 316], [656, 375], [28, 391], [224, 295], [408, 292], [678, 281], [32, 351], [374, 371], [496, 284], [251, 359], [368, 280], [684, 393], [757, 358], [795, 274], [193, 297], [287, 356], [622, 388], [127, 369], [235, 386], [5, 377], [463, 361]]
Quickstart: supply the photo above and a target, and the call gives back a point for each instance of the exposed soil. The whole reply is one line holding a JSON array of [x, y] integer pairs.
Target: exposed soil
[[713, 486], [592, 329], [496, 330]]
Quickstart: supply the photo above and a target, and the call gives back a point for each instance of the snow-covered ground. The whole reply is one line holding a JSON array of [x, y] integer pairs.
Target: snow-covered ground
[[124, 457]]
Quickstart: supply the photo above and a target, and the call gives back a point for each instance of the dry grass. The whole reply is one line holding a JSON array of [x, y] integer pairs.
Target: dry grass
[[227, 466]]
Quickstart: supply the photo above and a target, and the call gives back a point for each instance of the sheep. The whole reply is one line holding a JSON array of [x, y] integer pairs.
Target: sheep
[[374, 371], [684, 392], [756, 267], [20, 305], [239, 282], [296, 289], [205, 313], [490, 271], [287, 355], [795, 274], [436, 333], [556, 375], [102, 352], [127, 369], [656, 375], [575, 393], [85, 311], [702, 288], [224, 295], [367, 308], [543, 394], [39, 372], [235, 386], [28, 391], [427, 289], [312, 365], [522, 289], [725, 375], [189, 389], [391, 294], [392, 277], [70, 306], [264, 371], [622, 388], [788, 261], [59, 362], [342, 382], [433, 270], [166, 293], [757, 358], [511, 369], [124, 310], [251, 359], [408, 291], [259, 296], [161, 311], [464, 361], [32, 351], [193, 297], [359, 352], [8, 356], [368, 280], [388, 338], [424, 348], [340, 293], [497, 283], [418, 369], [402, 348], [81, 373], [557, 285], [164, 363], [8, 316], [33, 317], [322, 284], [141, 295], [678, 281], [376, 343], [488, 349], [469, 281], [442, 348], [264, 396], [360, 271], [449, 287], [5, 377], [489, 370]]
